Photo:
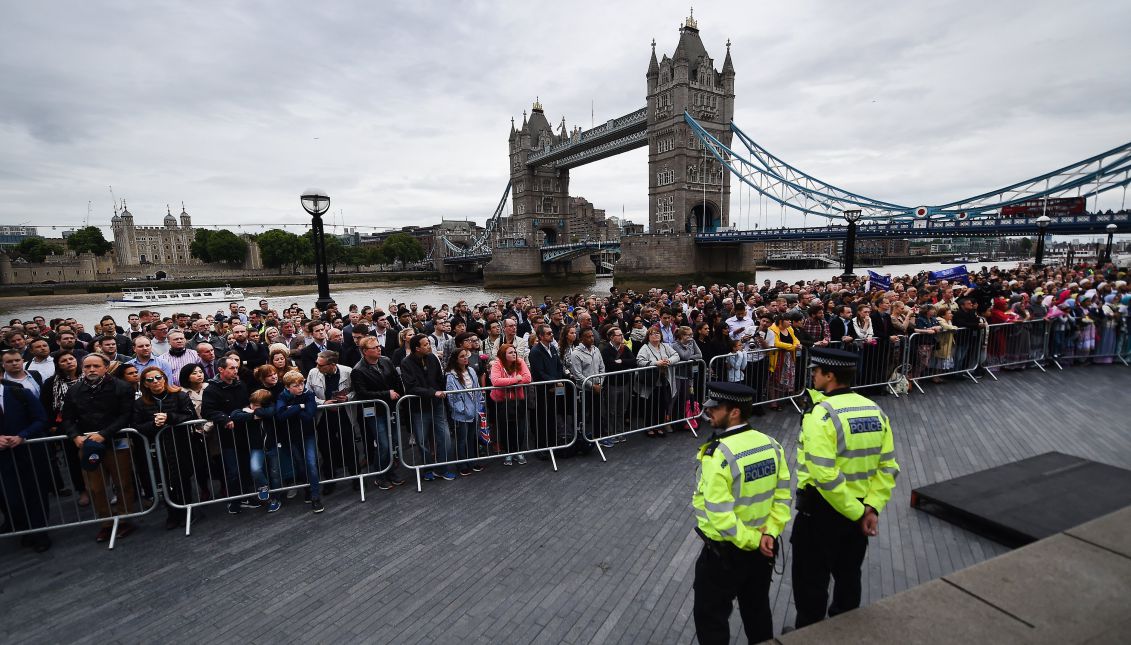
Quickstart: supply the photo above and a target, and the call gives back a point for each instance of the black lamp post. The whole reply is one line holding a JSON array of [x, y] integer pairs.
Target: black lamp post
[[850, 243], [317, 202], [1042, 224], [1110, 234]]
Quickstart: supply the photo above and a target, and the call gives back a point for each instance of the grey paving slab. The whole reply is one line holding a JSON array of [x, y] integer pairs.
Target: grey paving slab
[[1067, 589], [596, 552], [934, 612], [1110, 532]]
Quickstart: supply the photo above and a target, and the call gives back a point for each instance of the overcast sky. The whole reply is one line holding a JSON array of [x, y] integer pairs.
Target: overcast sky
[[402, 113]]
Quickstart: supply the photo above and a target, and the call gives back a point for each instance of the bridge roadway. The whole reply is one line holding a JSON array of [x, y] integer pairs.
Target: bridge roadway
[[595, 553]]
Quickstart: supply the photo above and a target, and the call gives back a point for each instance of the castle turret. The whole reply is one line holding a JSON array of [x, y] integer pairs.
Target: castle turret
[[170, 221], [186, 221]]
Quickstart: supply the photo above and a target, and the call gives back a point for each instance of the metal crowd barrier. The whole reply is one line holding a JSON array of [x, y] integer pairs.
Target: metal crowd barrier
[[1015, 344], [1071, 343], [202, 465], [617, 404], [944, 353], [36, 473], [752, 368], [881, 364], [528, 419]]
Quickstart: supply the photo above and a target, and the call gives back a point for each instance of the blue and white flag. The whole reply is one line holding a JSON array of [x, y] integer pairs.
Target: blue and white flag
[[954, 274], [877, 281]]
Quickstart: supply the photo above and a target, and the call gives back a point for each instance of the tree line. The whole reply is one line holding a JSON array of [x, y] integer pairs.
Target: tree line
[[278, 249]]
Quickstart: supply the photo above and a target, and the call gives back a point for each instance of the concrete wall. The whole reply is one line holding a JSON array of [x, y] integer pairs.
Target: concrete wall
[[523, 266], [663, 260]]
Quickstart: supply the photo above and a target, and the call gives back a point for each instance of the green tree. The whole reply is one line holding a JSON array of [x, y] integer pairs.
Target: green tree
[[335, 250], [199, 246], [36, 249], [402, 247], [226, 246], [1026, 244], [280, 249], [88, 239]]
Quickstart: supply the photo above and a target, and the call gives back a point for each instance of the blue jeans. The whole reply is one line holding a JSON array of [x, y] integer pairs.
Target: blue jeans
[[306, 459], [467, 439], [378, 426], [270, 455], [431, 415]]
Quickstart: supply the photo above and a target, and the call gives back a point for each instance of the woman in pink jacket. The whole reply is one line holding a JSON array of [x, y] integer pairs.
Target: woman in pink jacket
[[508, 399]]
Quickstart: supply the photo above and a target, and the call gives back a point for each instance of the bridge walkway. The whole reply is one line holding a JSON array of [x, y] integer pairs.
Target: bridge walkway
[[595, 553]]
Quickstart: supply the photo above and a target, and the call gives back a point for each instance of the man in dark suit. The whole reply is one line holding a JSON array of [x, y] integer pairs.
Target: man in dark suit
[[887, 345], [308, 359], [24, 469], [546, 365], [252, 355], [840, 327]]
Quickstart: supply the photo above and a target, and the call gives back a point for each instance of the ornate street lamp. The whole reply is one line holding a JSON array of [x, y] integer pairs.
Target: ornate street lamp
[[1042, 224], [1110, 233], [851, 217], [317, 202]]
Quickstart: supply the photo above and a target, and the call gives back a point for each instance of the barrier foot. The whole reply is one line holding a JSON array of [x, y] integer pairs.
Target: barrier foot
[[601, 451], [691, 428], [918, 387], [361, 480], [793, 402], [1041, 367], [992, 375], [418, 487], [114, 534], [1124, 361], [890, 389], [188, 521], [554, 461], [972, 377]]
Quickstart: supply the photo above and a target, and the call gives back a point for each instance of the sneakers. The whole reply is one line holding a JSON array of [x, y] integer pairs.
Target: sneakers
[[264, 493], [521, 459], [316, 505], [606, 443], [274, 506], [477, 468], [292, 493], [449, 476], [306, 496], [464, 471], [429, 476], [383, 484], [248, 502], [507, 460], [233, 508], [396, 480]]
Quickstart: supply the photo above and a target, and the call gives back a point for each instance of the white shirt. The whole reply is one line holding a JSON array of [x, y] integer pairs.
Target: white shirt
[[28, 381], [46, 367], [159, 347]]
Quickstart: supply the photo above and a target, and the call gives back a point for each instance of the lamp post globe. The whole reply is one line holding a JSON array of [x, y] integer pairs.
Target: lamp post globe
[[850, 216], [317, 202], [1111, 228], [1042, 224]]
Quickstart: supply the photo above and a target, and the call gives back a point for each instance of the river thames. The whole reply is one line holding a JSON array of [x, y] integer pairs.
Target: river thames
[[89, 308]]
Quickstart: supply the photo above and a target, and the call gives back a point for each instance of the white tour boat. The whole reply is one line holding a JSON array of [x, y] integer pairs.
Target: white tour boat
[[150, 296]]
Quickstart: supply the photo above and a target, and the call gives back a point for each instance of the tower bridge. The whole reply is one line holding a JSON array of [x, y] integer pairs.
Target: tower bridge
[[695, 150]]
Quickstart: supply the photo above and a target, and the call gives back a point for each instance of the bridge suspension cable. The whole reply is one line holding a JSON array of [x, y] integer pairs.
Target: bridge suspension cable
[[482, 244], [776, 180]]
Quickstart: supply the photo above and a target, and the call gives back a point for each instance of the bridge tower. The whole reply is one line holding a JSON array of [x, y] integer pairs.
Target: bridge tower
[[688, 190], [539, 194]]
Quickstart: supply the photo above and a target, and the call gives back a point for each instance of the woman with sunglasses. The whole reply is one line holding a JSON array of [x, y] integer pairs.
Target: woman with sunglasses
[[161, 407]]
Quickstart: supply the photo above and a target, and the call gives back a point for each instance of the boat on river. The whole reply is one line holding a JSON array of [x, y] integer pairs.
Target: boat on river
[[151, 296]]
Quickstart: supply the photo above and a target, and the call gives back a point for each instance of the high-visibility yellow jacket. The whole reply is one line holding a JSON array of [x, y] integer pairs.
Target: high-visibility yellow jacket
[[743, 488], [847, 453]]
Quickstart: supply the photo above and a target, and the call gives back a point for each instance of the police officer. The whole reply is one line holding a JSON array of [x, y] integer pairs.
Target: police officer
[[846, 472], [741, 505]]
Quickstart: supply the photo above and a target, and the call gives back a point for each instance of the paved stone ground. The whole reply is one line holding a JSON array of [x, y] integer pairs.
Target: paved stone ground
[[594, 553]]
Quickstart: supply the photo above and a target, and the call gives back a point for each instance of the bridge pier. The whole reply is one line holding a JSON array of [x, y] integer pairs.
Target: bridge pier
[[664, 260], [522, 266]]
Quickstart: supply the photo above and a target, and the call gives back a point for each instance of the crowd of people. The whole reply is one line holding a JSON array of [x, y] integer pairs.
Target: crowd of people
[[255, 405]]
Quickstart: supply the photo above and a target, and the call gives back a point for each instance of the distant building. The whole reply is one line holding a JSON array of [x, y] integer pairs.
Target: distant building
[[12, 235], [168, 245]]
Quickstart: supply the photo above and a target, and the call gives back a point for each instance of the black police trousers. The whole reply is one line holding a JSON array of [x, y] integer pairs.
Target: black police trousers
[[722, 573], [825, 543]]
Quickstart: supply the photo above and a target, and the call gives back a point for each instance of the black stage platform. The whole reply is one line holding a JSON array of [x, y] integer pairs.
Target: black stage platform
[[1029, 499]]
